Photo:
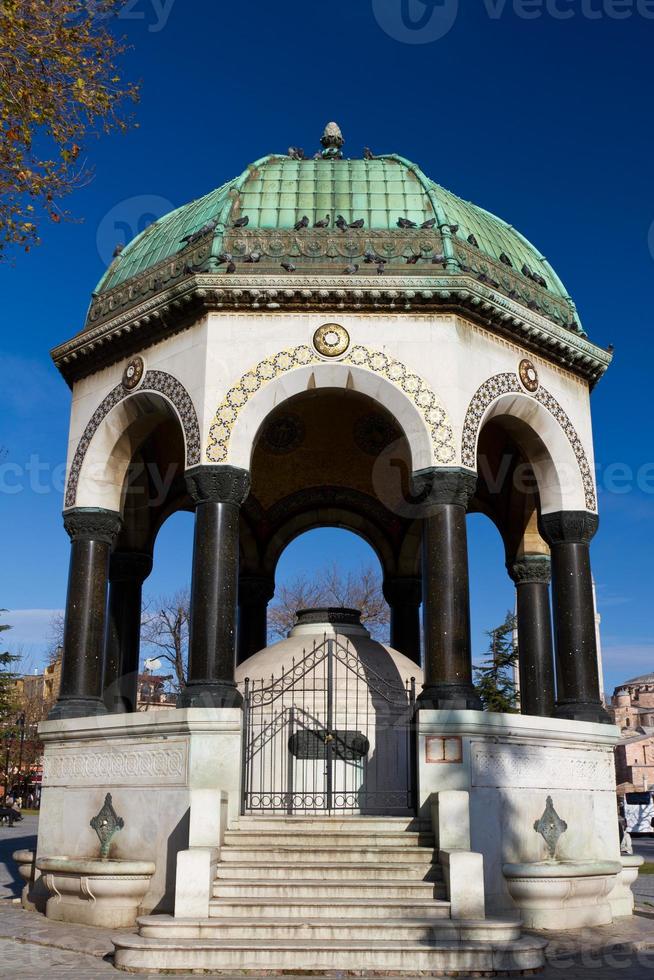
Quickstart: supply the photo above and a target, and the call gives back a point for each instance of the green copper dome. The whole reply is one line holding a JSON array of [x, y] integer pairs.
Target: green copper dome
[[277, 192]]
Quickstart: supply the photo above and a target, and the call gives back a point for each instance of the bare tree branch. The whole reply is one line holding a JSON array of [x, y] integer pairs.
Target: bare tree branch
[[330, 587], [164, 632]]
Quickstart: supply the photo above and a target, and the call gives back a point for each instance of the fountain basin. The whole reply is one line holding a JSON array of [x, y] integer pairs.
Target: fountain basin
[[621, 898], [95, 892], [31, 898], [563, 894]]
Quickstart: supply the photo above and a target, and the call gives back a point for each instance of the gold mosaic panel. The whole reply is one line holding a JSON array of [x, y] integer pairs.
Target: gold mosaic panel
[[416, 389]]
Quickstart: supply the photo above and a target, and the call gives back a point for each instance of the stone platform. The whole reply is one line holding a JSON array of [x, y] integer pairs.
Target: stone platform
[[32, 947]]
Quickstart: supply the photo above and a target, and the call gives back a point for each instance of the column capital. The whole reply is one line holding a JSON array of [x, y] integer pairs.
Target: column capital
[[569, 527], [255, 588], [402, 590], [531, 569], [443, 485], [92, 524], [218, 484], [129, 566]]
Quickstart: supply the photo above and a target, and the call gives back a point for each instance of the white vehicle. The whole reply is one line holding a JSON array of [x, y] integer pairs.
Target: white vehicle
[[639, 812]]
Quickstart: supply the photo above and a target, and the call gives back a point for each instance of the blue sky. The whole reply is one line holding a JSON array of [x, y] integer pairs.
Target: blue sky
[[540, 112]]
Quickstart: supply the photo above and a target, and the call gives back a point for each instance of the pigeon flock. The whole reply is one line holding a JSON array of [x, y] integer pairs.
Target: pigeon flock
[[228, 260]]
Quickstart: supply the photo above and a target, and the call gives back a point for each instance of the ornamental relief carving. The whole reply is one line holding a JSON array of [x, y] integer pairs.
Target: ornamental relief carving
[[142, 766], [416, 389], [514, 766], [509, 383], [157, 381]]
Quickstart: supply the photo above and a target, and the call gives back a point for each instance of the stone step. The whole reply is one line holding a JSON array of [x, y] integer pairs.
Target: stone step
[[338, 890], [341, 871], [333, 824], [309, 838], [318, 854], [220, 956], [316, 908], [340, 929]]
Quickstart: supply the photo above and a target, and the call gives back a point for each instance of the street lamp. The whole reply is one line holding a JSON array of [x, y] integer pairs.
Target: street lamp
[[9, 741], [20, 721]]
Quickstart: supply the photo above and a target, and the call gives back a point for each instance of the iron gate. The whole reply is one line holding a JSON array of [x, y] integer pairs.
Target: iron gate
[[329, 734]]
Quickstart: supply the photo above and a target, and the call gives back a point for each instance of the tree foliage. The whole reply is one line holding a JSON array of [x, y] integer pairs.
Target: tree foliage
[[495, 678], [59, 87], [330, 587], [7, 678]]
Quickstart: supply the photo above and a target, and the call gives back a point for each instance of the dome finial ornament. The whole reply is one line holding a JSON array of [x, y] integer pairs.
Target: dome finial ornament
[[332, 141]]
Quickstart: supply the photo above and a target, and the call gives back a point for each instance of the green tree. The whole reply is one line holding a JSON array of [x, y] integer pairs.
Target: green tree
[[7, 677], [494, 679], [59, 87]]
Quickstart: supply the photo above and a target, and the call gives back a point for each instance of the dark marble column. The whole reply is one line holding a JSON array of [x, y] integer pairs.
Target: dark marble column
[[254, 594], [92, 532], [127, 572], [569, 534], [531, 574], [404, 594], [218, 492], [443, 496]]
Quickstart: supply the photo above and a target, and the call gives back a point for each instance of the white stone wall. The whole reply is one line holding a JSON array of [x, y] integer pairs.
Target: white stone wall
[[154, 765], [510, 764], [452, 356]]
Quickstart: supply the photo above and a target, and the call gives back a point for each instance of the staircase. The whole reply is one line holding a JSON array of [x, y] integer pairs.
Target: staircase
[[326, 895]]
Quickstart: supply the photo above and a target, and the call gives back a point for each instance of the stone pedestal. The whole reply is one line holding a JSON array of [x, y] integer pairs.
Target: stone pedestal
[[621, 898], [33, 896], [154, 764], [509, 765]]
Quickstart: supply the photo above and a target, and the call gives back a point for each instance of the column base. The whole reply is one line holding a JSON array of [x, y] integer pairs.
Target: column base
[[449, 696], [592, 711], [77, 708], [203, 694]]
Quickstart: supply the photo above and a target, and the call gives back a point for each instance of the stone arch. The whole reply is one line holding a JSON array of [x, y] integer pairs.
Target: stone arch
[[339, 517], [550, 440], [162, 386], [413, 404]]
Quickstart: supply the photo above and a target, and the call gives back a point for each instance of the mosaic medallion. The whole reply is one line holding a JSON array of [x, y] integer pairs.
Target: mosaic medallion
[[331, 340], [283, 435], [133, 373], [528, 375]]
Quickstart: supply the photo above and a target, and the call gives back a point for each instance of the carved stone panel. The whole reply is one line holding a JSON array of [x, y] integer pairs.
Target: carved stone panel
[[155, 764], [513, 766]]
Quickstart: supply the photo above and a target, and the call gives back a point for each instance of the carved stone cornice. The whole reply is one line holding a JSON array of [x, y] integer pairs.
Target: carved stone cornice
[[129, 566], [92, 524], [403, 590], [443, 485], [255, 589], [218, 484], [569, 527], [171, 308], [531, 569]]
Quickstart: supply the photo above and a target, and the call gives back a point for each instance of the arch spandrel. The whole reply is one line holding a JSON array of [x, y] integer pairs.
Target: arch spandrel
[[111, 437], [409, 399], [547, 436]]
